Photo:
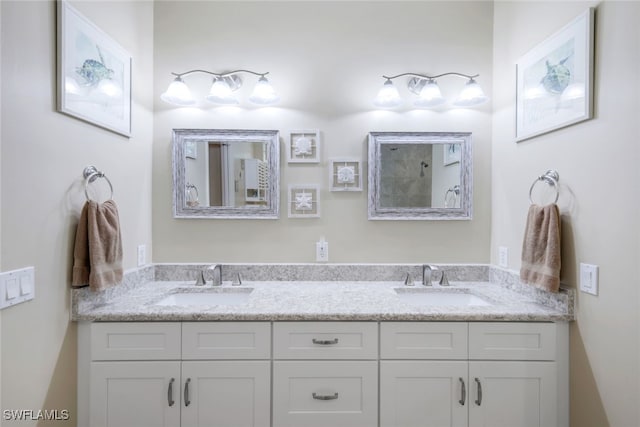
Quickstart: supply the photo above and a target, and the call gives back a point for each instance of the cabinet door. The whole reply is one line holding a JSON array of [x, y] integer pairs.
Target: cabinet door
[[513, 394], [135, 394], [226, 394], [423, 393]]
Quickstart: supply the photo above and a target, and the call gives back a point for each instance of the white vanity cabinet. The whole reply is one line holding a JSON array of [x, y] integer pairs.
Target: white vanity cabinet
[[473, 374], [323, 374], [192, 374]]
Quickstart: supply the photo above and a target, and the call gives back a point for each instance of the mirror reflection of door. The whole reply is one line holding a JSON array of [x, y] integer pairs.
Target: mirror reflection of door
[[230, 173], [216, 187]]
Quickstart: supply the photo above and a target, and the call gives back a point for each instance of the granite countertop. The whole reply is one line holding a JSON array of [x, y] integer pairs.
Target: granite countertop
[[320, 300]]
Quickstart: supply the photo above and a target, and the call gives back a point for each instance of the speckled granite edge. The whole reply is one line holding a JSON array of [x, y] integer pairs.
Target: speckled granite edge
[[85, 298], [563, 301], [324, 272]]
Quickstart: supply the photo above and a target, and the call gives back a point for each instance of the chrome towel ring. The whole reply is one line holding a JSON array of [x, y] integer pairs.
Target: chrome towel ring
[[90, 174], [551, 177]]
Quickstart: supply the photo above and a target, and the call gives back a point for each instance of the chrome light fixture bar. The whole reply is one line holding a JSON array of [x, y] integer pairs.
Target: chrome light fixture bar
[[222, 88], [428, 91]]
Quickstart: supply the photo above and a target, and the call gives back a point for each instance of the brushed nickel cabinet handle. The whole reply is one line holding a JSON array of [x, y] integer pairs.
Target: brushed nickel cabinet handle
[[463, 392], [170, 400], [325, 342], [334, 396], [479, 399], [187, 401]]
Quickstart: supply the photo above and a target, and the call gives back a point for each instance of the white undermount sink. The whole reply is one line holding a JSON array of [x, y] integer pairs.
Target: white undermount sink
[[207, 297], [440, 297]]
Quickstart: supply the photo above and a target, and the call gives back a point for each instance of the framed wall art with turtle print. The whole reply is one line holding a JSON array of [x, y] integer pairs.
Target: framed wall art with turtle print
[[555, 80], [94, 73]]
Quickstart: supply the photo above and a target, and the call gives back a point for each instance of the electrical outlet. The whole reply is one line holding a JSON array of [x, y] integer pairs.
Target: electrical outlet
[[589, 278], [142, 255], [322, 251], [503, 256]]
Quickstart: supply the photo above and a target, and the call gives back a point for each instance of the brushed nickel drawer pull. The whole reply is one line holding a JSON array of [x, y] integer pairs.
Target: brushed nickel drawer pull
[[325, 342], [479, 399], [170, 400], [463, 392], [187, 401], [325, 397]]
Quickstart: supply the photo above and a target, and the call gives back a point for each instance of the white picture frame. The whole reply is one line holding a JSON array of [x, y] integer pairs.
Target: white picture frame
[[94, 73], [345, 174], [554, 83], [304, 201], [303, 146]]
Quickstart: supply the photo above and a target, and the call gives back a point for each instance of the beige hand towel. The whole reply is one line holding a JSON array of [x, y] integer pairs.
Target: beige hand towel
[[541, 248], [98, 247]]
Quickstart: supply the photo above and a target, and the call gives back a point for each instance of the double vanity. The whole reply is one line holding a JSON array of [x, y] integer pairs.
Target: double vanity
[[322, 345]]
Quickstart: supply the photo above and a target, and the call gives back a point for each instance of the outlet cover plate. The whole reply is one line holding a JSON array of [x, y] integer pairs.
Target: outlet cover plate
[[322, 251], [142, 255], [503, 256]]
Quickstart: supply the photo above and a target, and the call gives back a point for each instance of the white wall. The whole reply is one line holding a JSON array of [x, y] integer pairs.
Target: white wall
[[43, 155], [600, 204], [326, 59]]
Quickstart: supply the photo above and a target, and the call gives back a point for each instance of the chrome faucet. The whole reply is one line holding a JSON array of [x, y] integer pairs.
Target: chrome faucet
[[426, 273], [217, 278]]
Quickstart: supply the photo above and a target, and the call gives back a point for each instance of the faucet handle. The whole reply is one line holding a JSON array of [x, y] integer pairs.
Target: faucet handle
[[238, 282], [408, 281], [200, 280], [443, 279]]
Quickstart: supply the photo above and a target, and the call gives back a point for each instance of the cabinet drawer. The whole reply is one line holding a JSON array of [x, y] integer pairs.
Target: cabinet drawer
[[226, 340], [512, 341], [325, 340], [325, 393], [423, 340], [135, 341]]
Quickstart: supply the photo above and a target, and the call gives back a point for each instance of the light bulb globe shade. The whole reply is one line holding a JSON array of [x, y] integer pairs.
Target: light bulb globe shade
[[535, 92], [109, 89], [573, 91], [221, 93], [430, 95], [388, 96], [263, 93], [71, 86], [178, 94], [471, 95]]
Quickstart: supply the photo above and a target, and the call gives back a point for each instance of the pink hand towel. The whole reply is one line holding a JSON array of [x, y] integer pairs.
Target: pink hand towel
[[98, 247], [541, 248]]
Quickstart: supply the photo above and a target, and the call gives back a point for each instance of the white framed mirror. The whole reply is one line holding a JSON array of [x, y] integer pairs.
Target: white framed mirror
[[420, 176], [226, 173]]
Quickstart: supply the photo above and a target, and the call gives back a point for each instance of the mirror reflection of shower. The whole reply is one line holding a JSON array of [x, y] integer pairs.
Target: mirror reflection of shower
[[402, 185], [423, 165]]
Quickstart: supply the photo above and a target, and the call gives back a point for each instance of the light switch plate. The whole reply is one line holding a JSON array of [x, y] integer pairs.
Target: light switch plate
[[589, 278], [17, 286]]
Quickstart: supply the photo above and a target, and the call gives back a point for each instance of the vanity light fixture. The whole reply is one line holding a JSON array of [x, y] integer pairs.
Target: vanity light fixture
[[222, 88], [428, 91]]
